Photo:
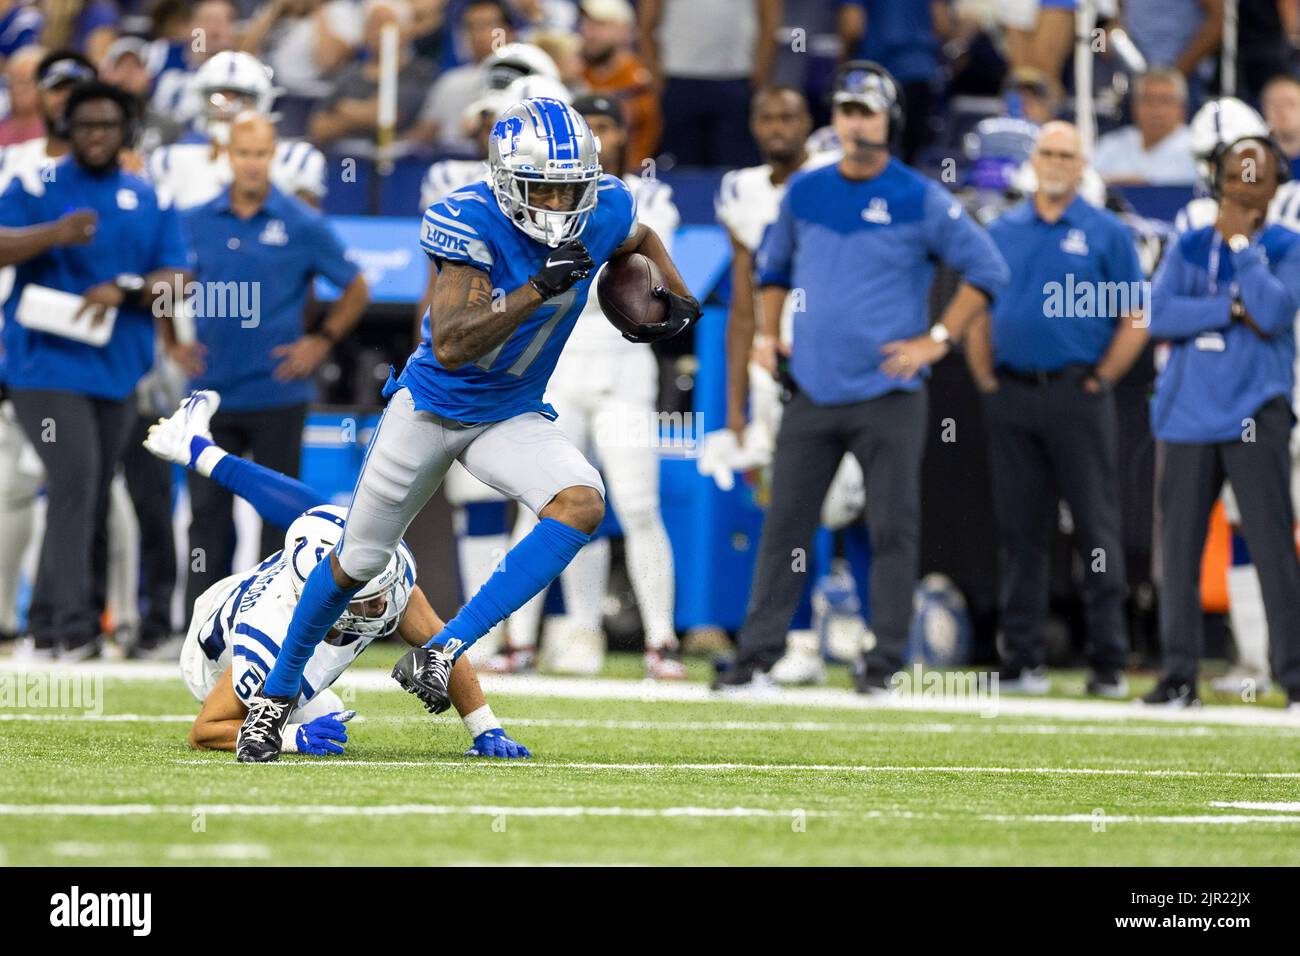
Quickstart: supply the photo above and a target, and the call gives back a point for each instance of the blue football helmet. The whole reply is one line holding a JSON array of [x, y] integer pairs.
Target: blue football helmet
[[544, 142]]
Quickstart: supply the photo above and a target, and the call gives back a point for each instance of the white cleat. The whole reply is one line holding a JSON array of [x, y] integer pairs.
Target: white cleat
[[664, 665], [801, 664], [1241, 681], [577, 652], [170, 439]]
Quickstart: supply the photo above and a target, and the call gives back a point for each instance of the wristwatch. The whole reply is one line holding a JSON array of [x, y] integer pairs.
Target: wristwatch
[[1238, 242], [939, 333], [130, 285]]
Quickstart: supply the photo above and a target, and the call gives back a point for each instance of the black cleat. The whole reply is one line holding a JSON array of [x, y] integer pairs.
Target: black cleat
[[1108, 683], [872, 681], [733, 675], [1172, 693], [426, 672], [262, 732]]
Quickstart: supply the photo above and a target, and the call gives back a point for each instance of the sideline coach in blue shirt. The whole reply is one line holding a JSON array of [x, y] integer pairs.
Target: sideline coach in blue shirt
[[93, 230], [1066, 329], [857, 242], [1225, 299], [256, 254]]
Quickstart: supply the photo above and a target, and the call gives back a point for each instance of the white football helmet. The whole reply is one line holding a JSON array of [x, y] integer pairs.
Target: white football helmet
[[510, 61], [544, 142], [526, 87], [227, 84], [310, 539], [1217, 125]]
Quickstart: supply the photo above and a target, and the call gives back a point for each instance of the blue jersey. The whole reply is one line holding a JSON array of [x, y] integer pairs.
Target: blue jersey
[[469, 228]]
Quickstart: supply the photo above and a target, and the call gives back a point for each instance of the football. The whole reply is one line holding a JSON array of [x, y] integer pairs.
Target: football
[[625, 290]]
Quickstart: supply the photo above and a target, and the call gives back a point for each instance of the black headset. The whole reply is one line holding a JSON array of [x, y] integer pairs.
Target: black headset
[[858, 73], [1280, 157]]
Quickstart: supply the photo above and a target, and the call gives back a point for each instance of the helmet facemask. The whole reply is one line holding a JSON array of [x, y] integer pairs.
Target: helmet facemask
[[516, 196]]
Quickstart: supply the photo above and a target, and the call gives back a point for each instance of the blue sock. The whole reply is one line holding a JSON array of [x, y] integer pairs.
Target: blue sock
[[527, 568], [319, 607], [277, 498]]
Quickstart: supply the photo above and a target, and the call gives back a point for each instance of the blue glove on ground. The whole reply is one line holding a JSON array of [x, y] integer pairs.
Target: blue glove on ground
[[495, 743], [325, 735]]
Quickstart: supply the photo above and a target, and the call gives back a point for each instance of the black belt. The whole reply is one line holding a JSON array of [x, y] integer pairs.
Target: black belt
[[1042, 376]]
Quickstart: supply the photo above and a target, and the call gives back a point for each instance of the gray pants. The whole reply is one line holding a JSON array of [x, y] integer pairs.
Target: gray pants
[[80, 440], [887, 437], [526, 458], [1047, 437], [1260, 472]]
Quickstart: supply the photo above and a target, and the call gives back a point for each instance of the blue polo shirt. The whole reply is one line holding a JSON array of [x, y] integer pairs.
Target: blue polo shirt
[[900, 37], [1221, 372], [273, 257], [1069, 279], [137, 233], [859, 256]]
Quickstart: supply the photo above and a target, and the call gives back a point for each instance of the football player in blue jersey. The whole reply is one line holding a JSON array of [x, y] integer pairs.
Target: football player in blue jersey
[[516, 257]]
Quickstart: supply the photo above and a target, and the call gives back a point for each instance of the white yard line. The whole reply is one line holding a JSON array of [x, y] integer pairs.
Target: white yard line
[[1254, 805], [176, 851], [823, 768], [367, 679], [253, 851], [746, 726]]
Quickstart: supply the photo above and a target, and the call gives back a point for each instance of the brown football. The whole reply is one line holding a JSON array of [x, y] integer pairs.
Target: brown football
[[625, 292]]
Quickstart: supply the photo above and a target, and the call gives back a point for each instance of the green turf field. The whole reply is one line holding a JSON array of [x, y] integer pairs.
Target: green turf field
[[630, 781]]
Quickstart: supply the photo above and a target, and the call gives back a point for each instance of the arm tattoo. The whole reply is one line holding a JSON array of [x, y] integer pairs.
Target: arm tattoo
[[466, 318]]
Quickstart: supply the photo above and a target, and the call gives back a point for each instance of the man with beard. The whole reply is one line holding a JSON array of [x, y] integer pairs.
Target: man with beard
[[613, 69], [92, 230]]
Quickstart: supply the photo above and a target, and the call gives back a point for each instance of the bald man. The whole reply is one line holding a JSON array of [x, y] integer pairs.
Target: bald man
[[257, 252], [1059, 338]]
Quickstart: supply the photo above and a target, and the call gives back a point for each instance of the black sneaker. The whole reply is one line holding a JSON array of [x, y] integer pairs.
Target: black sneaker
[[872, 680], [1172, 693], [426, 672], [738, 676], [262, 732], [1107, 683]]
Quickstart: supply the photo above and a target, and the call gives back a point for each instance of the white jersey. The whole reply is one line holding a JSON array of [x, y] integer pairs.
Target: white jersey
[[193, 177], [240, 623], [23, 160], [448, 175]]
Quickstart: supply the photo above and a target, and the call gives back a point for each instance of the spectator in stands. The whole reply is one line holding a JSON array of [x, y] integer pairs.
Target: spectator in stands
[[210, 30], [272, 247], [104, 235], [86, 25], [428, 29], [1225, 299], [21, 24], [1047, 376], [352, 107], [1182, 34], [1157, 148], [126, 65], [566, 50], [1281, 104], [483, 24], [706, 59], [24, 121], [900, 37], [304, 41], [613, 69]]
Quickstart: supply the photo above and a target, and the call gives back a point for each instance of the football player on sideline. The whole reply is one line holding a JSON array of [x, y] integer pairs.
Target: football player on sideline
[[602, 387], [196, 169], [226, 652], [516, 258]]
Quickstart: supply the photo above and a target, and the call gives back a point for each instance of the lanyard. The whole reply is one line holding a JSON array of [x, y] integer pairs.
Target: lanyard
[[1216, 250]]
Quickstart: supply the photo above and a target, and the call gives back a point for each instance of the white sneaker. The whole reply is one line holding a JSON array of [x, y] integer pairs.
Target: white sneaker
[[515, 660], [169, 439], [1242, 680], [25, 649], [579, 652], [664, 665], [1030, 680], [802, 662]]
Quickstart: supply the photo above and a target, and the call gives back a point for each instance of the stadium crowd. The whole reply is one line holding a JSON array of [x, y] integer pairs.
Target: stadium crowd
[[148, 107]]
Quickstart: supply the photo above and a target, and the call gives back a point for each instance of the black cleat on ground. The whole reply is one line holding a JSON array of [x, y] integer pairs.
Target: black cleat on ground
[[1107, 683], [871, 681], [731, 675], [262, 732], [426, 672], [1172, 693]]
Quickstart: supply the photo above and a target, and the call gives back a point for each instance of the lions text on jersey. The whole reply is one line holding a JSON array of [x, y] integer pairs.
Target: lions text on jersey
[[193, 176], [469, 228]]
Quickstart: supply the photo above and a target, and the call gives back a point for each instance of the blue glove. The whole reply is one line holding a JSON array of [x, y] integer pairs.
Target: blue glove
[[325, 735], [495, 743]]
